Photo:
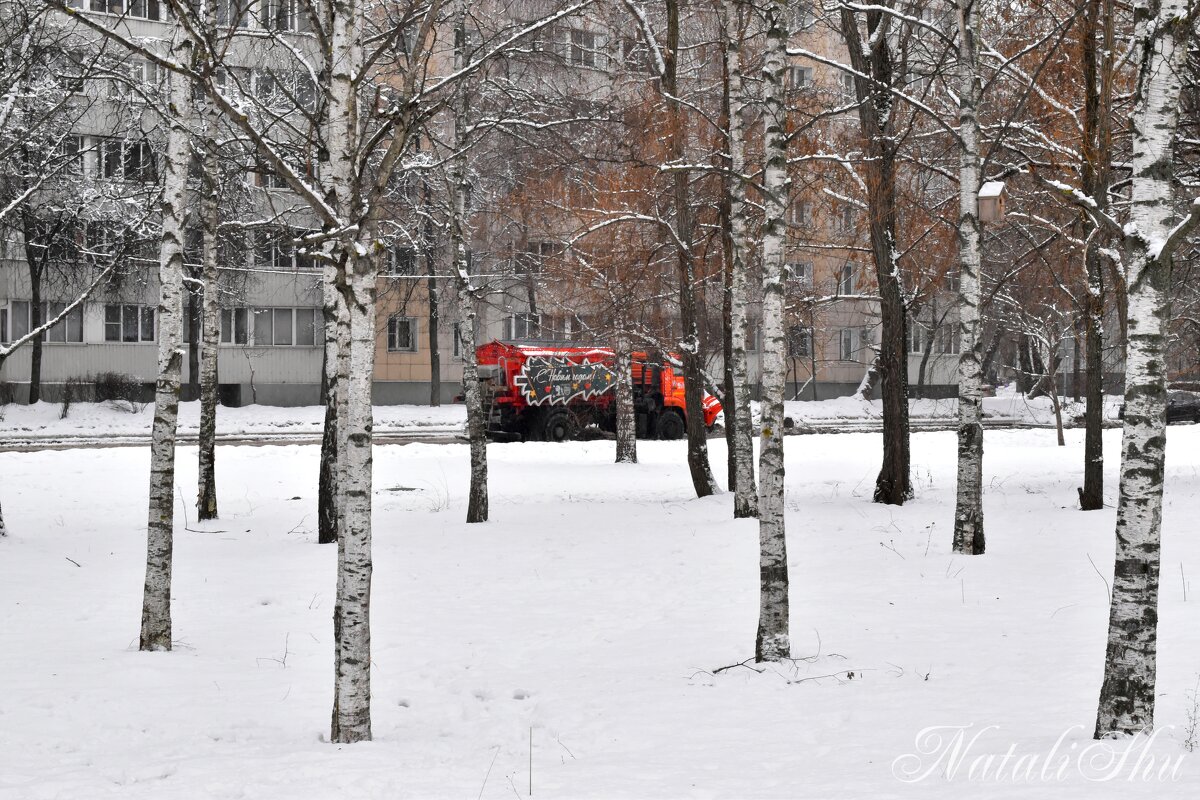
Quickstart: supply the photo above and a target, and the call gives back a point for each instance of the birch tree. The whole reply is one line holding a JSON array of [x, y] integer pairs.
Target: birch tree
[[1163, 30], [773, 642], [737, 400], [156, 600], [968, 510]]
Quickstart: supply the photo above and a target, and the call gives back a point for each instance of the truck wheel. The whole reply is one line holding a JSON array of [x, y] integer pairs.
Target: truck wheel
[[559, 426], [670, 425]]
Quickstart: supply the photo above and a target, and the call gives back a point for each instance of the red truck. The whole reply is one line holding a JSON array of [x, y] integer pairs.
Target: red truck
[[552, 392]]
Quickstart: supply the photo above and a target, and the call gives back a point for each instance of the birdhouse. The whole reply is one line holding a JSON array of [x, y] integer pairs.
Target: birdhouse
[[991, 202]]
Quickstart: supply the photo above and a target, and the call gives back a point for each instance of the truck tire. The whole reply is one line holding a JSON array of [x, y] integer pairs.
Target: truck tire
[[559, 426], [670, 425]]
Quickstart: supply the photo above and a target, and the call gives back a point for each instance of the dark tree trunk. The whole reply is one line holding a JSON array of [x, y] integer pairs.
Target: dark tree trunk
[[327, 517], [435, 353], [989, 355], [724, 211], [1097, 67], [35, 354], [697, 436], [876, 122], [193, 329], [1025, 362]]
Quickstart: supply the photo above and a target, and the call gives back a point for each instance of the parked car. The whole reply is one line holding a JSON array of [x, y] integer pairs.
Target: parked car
[[1181, 407]]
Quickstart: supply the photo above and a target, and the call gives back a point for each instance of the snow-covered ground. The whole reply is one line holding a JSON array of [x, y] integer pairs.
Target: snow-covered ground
[[120, 419], [588, 618], [45, 420]]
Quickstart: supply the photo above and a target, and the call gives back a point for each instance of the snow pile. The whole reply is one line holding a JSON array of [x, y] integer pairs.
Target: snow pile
[[589, 617]]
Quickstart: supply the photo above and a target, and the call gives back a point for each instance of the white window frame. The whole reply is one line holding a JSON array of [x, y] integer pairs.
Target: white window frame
[[800, 272], [73, 324], [846, 348], [586, 48], [414, 332], [144, 313]]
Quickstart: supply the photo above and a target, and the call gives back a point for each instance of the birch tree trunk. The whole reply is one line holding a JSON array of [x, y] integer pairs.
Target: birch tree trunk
[[745, 500], [697, 436], [477, 498], [773, 642], [1162, 33], [626, 419], [1097, 140], [968, 507], [206, 498], [356, 282], [160, 529]]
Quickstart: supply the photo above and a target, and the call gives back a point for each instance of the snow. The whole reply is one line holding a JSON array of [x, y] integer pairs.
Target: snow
[[97, 420], [588, 616], [119, 419]]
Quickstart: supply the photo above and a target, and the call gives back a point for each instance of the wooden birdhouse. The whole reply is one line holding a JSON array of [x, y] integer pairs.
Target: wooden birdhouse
[[991, 202]]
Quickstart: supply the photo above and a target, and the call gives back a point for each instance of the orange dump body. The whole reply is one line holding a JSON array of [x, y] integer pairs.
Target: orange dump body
[[531, 389]]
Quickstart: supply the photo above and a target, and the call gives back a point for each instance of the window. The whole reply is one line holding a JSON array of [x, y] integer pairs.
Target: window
[[800, 272], [525, 325], [277, 250], [947, 341], [69, 330], [279, 15], [916, 336], [636, 56], [129, 161], [845, 220], [142, 9], [138, 78], [128, 323], [401, 260], [309, 327], [846, 344], [402, 334], [588, 49], [849, 92], [456, 339], [286, 327], [233, 326], [845, 280], [3, 324], [799, 77], [536, 254], [952, 282], [797, 214], [798, 341], [70, 150], [803, 10]]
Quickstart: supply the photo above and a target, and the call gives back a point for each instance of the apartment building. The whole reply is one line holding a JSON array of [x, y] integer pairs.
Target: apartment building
[[271, 324], [535, 282]]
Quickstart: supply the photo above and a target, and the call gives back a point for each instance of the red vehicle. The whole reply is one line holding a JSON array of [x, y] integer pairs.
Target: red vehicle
[[552, 392]]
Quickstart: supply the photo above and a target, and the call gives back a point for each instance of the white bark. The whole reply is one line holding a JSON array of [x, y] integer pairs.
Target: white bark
[[1162, 31], [477, 498], [968, 509], [626, 418], [773, 642], [156, 600], [745, 501], [352, 634]]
